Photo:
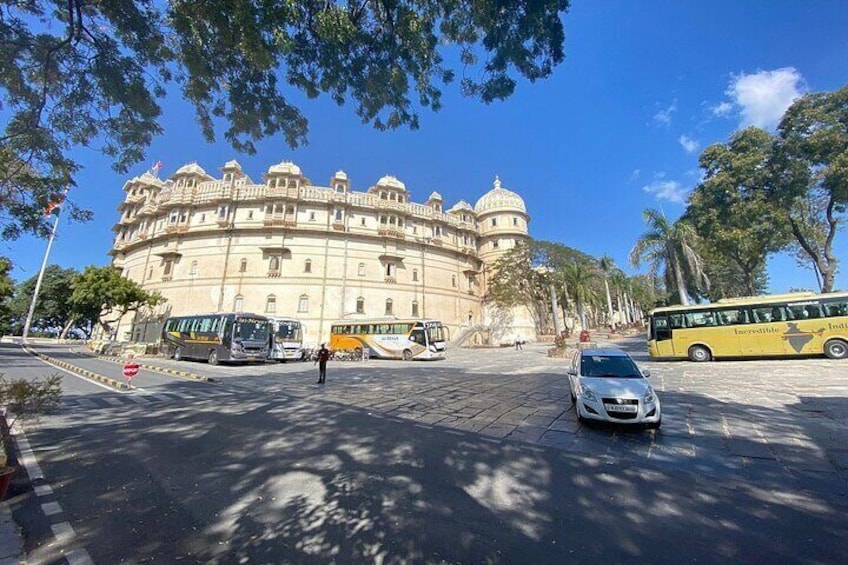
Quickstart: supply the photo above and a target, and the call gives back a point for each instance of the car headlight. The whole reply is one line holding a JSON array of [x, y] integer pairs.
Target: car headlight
[[649, 396], [587, 393]]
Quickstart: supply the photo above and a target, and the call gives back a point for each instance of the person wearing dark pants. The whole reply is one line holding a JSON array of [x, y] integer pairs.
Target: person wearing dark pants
[[323, 357]]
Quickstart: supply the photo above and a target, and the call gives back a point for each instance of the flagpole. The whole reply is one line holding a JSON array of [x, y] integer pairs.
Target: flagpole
[[38, 281]]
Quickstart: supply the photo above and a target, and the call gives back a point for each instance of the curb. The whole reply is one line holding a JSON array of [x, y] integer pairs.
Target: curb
[[176, 372], [117, 385]]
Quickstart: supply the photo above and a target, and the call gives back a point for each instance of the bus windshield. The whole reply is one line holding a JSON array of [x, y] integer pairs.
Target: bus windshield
[[437, 332], [288, 330], [249, 329]]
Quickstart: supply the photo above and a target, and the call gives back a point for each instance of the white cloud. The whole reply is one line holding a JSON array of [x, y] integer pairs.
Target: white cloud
[[722, 110], [663, 117], [669, 190], [764, 96], [634, 175], [689, 144]]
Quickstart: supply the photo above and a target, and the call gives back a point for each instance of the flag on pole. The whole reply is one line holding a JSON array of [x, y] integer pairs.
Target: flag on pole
[[154, 170], [55, 203]]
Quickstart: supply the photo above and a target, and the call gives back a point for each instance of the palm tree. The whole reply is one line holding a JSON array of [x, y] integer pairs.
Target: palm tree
[[608, 267], [579, 278], [670, 246]]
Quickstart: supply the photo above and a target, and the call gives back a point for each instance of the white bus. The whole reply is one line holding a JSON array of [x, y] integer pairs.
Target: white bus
[[390, 338], [286, 339]]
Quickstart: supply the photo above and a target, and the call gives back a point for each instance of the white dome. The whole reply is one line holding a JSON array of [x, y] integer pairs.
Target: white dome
[[389, 181], [435, 196], [191, 169], [231, 165], [340, 175], [500, 198], [284, 167]]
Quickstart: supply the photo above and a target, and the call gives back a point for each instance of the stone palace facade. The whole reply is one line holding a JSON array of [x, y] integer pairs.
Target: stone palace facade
[[286, 247]]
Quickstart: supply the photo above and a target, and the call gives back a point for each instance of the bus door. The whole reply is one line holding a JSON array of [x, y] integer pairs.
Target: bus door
[[660, 336]]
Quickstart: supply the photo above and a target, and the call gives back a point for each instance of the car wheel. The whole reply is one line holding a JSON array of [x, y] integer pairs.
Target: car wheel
[[407, 355], [573, 398], [654, 425], [699, 353], [836, 349], [213, 357], [178, 354]]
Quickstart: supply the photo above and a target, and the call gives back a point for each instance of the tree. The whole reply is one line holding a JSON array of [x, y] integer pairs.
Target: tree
[[737, 225], [52, 309], [669, 247], [608, 268], [810, 175], [102, 296], [80, 73], [581, 278], [7, 289]]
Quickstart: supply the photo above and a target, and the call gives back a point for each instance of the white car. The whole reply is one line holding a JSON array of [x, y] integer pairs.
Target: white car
[[606, 385]]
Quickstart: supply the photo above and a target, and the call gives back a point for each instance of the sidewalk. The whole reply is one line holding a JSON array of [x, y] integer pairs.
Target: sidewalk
[[11, 541]]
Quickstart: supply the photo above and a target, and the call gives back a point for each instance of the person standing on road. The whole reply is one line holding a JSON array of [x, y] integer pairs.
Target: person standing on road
[[323, 357], [518, 344]]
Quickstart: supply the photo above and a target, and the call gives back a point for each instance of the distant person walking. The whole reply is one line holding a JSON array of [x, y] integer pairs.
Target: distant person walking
[[323, 357], [518, 343]]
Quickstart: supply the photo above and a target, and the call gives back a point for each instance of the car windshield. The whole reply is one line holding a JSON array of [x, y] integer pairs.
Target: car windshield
[[607, 366]]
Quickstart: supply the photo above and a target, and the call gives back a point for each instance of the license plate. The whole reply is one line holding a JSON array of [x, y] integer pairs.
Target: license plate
[[629, 408]]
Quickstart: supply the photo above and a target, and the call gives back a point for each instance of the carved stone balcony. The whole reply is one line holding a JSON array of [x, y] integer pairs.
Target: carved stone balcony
[[391, 232], [177, 228], [273, 274]]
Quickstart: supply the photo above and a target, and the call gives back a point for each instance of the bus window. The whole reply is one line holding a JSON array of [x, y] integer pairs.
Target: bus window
[[702, 319], [762, 314]]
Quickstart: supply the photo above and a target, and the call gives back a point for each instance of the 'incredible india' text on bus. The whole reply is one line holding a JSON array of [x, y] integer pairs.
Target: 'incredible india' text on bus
[[803, 323]]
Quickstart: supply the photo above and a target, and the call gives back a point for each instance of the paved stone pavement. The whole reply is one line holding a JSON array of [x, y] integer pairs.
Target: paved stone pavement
[[781, 422]]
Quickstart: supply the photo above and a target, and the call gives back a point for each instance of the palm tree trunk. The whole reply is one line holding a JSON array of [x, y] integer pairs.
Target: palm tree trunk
[[609, 304]]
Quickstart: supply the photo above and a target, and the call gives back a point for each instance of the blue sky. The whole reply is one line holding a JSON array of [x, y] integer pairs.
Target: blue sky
[[645, 86]]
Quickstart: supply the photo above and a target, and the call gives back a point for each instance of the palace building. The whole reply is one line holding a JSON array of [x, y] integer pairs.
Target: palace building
[[286, 247]]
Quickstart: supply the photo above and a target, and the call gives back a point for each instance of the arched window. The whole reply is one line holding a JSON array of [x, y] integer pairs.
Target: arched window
[[238, 305], [274, 264], [360, 305], [243, 266], [415, 308], [389, 307], [361, 271], [303, 303], [415, 274], [453, 281], [307, 266], [271, 304]]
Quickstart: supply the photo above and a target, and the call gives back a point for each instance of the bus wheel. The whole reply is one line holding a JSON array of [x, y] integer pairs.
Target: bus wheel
[[699, 353], [836, 349], [407, 355], [357, 354], [178, 354], [213, 357]]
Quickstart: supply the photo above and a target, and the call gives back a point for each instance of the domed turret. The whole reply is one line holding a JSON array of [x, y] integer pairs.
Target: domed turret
[[502, 220], [284, 168], [499, 198]]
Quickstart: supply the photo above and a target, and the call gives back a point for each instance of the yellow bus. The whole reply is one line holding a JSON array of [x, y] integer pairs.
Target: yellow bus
[[801, 323], [390, 338]]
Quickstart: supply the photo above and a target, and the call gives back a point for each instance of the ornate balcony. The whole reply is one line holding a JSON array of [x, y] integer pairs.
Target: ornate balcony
[[391, 232]]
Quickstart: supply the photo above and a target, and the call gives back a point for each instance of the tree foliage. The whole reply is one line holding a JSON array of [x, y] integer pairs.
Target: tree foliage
[[102, 296], [670, 247], [7, 289], [810, 175], [737, 224], [52, 309], [79, 73]]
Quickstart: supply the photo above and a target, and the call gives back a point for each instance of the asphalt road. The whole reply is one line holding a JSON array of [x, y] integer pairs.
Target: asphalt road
[[475, 459]]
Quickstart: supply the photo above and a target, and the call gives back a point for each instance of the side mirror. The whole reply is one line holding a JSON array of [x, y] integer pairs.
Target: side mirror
[[646, 373], [572, 372]]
